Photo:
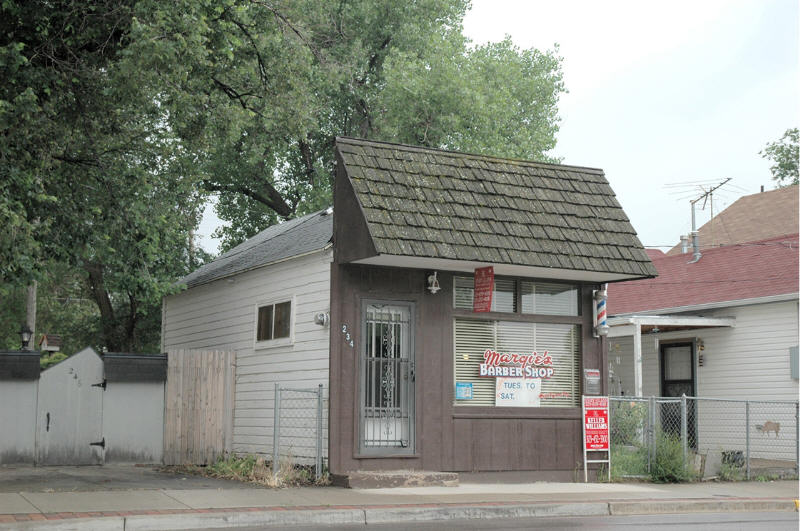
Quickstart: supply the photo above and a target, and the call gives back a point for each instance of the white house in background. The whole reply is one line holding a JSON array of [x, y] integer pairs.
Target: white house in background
[[260, 299], [725, 326]]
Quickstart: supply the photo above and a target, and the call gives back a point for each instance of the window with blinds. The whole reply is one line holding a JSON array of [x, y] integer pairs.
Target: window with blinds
[[561, 341], [549, 298], [545, 298], [503, 297]]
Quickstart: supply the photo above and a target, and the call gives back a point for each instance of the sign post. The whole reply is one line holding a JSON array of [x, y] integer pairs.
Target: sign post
[[596, 432]]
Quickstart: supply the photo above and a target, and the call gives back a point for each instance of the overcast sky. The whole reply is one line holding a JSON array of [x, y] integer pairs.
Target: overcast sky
[[660, 93]]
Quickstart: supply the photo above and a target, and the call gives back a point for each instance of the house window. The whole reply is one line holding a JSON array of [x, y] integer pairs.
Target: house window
[[274, 321], [529, 361]]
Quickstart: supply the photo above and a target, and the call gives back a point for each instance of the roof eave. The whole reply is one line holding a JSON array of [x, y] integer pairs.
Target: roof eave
[[242, 271], [713, 305], [521, 270]]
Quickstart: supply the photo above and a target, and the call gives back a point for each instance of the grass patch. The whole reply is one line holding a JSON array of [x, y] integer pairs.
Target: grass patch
[[628, 462], [256, 469]]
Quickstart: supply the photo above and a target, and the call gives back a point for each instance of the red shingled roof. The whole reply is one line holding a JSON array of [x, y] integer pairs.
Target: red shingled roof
[[743, 271]]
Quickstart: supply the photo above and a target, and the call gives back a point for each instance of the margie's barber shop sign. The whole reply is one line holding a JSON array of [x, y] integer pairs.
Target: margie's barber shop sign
[[518, 377], [506, 365]]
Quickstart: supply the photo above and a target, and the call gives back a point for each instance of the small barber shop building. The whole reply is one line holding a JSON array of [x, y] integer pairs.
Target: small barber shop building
[[462, 306]]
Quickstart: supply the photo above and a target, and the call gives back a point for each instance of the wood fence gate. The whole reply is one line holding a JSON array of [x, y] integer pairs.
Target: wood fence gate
[[198, 416]]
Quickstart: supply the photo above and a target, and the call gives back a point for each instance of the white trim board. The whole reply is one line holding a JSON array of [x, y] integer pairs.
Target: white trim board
[[443, 264]]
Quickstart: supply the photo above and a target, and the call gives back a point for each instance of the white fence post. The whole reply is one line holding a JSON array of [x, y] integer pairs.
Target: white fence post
[[319, 433], [747, 436], [684, 432], [276, 432]]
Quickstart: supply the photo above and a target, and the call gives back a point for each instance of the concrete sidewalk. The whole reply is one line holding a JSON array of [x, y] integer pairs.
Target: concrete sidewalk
[[232, 505]]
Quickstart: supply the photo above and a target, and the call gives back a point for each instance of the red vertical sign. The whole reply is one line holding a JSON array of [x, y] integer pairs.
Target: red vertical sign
[[595, 422], [484, 286]]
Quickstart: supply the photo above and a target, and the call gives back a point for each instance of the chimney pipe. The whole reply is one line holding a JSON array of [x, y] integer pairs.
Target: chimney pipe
[[684, 244], [762, 188], [695, 238]]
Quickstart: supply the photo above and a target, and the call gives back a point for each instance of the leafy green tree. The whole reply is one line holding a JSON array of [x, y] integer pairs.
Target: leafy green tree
[[259, 90], [784, 154], [119, 117], [92, 176]]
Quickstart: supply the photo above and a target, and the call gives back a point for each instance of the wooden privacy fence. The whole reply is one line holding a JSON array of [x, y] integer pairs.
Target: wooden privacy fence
[[198, 413]]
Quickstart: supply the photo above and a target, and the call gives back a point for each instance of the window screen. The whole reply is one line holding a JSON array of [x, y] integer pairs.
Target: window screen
[[561, 341]]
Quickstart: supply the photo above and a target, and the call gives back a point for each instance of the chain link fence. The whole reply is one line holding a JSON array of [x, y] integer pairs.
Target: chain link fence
[[300, 431], [709, 436]]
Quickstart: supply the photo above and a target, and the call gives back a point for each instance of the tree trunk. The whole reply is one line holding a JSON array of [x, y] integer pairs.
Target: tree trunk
[[103, 301]]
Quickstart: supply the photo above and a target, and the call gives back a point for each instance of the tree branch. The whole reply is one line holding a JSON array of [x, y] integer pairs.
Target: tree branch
[[272, 199], [280, 16], [308, 160], [232, 94]]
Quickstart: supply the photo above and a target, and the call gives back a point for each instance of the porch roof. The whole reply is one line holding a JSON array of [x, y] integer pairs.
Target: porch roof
[[626, 326], [635, 325]]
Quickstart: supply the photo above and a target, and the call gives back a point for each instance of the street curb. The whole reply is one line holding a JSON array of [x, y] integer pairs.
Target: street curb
[[422, 514], [110, 523], [272, 516], [698, 506], [244, 519]]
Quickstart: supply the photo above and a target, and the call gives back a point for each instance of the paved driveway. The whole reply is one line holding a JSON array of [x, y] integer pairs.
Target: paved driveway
[[102, 478]]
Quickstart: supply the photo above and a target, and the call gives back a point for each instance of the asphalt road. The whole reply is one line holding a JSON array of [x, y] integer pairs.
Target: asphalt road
[[663, 522]]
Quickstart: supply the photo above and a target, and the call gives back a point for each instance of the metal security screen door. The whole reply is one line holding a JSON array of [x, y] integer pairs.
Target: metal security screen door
[[678, 378], [387, 378]]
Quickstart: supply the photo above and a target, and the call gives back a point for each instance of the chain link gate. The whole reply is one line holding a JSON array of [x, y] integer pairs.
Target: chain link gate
[[750, 436], [299, 431]]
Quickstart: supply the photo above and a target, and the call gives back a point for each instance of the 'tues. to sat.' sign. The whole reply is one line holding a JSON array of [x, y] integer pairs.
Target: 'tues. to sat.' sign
[[518, 392], [595, 422]]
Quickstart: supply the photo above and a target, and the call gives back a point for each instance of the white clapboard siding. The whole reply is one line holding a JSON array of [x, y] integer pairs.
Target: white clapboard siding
[[749, 361], [221, 315]]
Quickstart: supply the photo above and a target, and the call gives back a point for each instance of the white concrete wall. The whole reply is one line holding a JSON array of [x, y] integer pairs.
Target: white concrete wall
[[749, 361], [222, 315], [18, 421], [133, 422]]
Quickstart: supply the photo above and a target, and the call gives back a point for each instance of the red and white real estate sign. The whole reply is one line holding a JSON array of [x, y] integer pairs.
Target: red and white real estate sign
[[596, 434], [484, 286]]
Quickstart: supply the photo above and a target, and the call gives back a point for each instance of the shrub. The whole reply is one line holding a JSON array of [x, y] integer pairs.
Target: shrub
[[668, 465], [627, 423], [628, 461]]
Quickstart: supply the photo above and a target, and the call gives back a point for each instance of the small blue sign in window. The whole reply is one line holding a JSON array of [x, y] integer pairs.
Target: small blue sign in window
[[463, 391]]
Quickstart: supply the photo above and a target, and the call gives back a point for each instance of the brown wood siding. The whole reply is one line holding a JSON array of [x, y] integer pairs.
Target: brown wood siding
[[447, 438]]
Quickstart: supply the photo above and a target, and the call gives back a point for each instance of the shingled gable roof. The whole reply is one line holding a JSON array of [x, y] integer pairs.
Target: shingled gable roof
[[751, 218], [752, 270], [276, 243], [450, 206]]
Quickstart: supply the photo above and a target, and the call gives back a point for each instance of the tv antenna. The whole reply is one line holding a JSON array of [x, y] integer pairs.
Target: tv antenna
[[702, 197]]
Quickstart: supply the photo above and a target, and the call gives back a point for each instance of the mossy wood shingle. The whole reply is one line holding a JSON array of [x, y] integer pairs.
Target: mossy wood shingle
[[438, 204]]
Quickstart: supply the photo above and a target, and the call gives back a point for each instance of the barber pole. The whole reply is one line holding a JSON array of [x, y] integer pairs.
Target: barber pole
[[600, 317]]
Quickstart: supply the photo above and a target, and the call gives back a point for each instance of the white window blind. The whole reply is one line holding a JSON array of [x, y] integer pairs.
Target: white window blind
[[561, 341], [549, 298], [503, 296], [546, 298]]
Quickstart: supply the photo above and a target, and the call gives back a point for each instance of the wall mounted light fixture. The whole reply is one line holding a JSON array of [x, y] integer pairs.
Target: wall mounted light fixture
[[433, 282]]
